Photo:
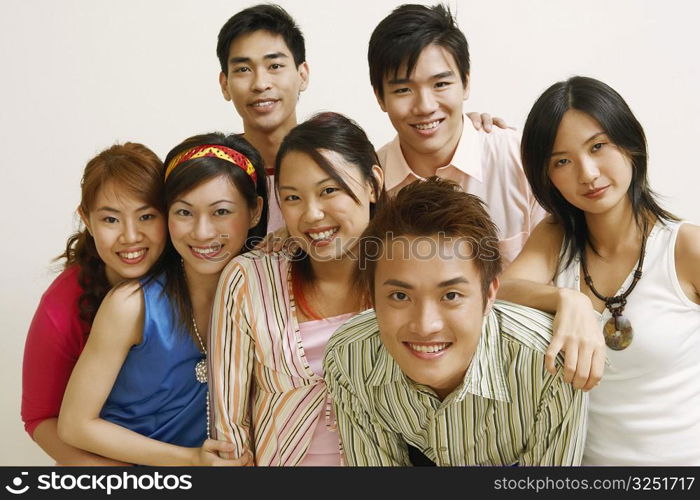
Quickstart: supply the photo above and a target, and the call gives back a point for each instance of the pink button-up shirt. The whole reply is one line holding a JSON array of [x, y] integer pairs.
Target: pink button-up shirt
[[487, 165]]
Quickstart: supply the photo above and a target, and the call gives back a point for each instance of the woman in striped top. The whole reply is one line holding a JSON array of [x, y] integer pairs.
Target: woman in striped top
[[274, 313]]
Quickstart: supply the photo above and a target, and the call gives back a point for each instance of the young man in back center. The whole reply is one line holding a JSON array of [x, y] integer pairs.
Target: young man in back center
[[419, 69]]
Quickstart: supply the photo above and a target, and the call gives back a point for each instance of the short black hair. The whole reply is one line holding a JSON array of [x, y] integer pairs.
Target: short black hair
[[401, 36], [265, 17]]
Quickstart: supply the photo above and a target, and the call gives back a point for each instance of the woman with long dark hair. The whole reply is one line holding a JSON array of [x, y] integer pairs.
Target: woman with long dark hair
[[274, 313], [139, 391], [624, 267]]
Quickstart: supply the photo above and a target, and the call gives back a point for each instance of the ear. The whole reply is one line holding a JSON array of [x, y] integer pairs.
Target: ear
[[223, 80], [491, 296], [380, 101], [466, 88], [303, 70], [378, 174], [256, 213], [84, 218]]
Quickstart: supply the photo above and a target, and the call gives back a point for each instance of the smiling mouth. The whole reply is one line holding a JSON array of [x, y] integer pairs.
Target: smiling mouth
[[263, 104], [133, 257], [322, 236], [206, 253], [427, 126], [594, 193]]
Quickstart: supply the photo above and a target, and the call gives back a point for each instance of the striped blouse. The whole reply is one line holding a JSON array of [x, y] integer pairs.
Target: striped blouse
[[265, 396], [509, 409]]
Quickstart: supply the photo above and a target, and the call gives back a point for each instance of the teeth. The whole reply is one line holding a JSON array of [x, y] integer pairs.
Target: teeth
[[263, 103], [205, 251], [324, 235], [427, 126], [428, 348], [132, 255]]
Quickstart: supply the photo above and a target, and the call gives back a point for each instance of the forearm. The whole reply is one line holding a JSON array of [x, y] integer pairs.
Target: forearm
[[119, 443], [46, 436], [547, 298]]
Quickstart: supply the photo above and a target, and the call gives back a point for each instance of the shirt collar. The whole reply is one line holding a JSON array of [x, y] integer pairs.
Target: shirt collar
[[467, 159], [485, 377]]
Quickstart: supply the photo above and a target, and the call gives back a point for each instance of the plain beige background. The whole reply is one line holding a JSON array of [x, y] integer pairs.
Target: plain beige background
[[78, 75]]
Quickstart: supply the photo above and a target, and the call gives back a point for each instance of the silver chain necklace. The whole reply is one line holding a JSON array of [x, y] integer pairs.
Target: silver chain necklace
[[200, 370]]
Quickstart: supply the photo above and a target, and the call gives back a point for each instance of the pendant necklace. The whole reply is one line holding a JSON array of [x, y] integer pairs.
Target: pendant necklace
[[200, 370], [618, 330]]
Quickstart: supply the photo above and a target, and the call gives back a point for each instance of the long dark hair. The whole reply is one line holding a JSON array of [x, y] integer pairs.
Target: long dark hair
[[329, 132], [610, 110], [132, 168], [187, 176]]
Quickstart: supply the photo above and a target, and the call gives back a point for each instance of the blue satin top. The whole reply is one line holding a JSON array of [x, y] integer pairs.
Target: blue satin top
[[156, 392]]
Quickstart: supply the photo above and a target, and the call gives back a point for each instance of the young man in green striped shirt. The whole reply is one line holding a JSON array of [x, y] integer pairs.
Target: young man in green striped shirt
[[440, 366]]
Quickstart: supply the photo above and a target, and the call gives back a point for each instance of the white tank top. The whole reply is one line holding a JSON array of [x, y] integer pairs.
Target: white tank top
[[646, 410]]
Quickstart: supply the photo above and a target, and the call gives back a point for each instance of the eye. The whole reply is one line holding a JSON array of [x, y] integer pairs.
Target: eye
[[441, 85], [291, 197], [241, 69], [110, 220], [222, 211], [398, 296], [183, 212], [452, 296], [146, 217], [275, 66], [329, 190], [597, 147], [403, 90], [561, 162]]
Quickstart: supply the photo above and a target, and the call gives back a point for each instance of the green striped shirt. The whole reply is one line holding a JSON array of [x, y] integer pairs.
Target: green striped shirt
[[508, 410]]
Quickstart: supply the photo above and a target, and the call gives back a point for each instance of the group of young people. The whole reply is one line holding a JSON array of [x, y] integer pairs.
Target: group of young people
[[180, 334]]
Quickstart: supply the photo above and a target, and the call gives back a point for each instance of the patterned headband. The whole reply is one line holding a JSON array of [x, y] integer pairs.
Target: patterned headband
[[214, 151]]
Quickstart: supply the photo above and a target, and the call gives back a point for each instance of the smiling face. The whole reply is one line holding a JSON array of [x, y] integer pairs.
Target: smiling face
[[209, 225], [263, 82], [589, 171], [426, 108], [320, 214], [129, 234], [430, 310]]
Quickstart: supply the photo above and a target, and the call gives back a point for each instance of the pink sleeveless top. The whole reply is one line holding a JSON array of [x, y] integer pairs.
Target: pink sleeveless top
[[324, 449]]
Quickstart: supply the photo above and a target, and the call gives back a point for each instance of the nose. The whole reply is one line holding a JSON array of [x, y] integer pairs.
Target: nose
[[426, 320], [203, 229], [425, 103], [588, 171], [131, 233], [313, 211], [261, 81]]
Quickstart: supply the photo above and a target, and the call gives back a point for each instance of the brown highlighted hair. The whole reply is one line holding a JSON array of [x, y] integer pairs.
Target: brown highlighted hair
[[428, 208], [132, 169]]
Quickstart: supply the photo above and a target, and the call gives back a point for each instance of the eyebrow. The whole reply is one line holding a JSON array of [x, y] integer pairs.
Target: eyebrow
[[439, 76], [555, 153], [443, 284], [292, 188], [110, 209], [267, 57], [211, 204]]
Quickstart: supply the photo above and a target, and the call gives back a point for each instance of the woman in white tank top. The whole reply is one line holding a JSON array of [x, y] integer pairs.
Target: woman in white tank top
[[620, 264]]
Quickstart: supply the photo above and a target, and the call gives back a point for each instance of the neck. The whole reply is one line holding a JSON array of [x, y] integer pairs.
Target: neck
[[614, 231], [202, 288], [426, 164], [340, 273], [268, 143]]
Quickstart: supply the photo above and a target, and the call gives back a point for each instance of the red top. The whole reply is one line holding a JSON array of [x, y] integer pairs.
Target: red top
[[56, 338]]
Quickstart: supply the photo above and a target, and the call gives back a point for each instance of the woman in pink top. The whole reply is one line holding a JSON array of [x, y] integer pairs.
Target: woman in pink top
[[274, 313], [124, 235]]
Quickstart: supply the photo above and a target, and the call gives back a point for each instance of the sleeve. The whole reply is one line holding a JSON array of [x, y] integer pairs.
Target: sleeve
[[363, 440], [558, 435], [231, 361], [50, 353]]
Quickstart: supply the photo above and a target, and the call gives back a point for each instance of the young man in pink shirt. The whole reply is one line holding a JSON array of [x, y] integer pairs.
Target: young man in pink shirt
[[419, 69]]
